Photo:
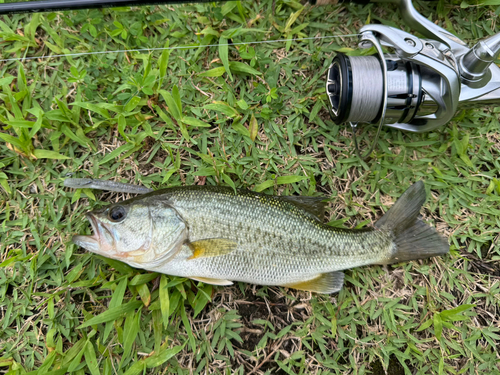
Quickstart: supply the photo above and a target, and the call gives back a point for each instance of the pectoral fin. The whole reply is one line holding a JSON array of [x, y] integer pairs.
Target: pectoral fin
[[207, 280], [325, 283], [211, 247]]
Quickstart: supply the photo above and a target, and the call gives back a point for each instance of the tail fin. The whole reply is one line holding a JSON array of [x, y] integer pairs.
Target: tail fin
[[414, 239]]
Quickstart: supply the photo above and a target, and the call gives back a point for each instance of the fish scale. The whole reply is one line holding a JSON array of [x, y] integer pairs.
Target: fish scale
[[219, 235]]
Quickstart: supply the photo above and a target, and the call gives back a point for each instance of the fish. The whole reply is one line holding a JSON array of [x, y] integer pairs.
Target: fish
[[220, 235]]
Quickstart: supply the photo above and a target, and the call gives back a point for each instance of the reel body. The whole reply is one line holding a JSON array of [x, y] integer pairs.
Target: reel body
[[420, 85]]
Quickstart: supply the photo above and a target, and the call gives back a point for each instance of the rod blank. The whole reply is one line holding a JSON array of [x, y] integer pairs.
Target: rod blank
[[61, 5]]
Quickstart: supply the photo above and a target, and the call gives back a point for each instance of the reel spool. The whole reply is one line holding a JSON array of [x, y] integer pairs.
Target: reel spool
[[355, 89]]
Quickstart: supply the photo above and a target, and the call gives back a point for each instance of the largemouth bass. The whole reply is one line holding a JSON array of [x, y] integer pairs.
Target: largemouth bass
[[217, 236]]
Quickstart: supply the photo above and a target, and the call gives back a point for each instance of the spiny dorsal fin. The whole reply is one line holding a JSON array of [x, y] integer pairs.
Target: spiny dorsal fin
[[314, 206], [208, 280], [211, 247], [323, 283]]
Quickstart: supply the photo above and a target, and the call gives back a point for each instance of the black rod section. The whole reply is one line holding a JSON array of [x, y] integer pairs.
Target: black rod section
[[61, 5]]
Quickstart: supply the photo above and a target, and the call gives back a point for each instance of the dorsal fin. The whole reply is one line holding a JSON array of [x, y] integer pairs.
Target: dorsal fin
[[314, 206]]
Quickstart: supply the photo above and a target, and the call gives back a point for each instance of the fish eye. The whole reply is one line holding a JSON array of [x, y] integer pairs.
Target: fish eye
[[117, 214]]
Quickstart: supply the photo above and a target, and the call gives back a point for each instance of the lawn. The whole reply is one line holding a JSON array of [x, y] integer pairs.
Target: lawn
[[242, 115]]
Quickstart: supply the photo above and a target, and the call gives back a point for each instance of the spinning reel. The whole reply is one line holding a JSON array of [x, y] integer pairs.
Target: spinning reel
[[420, 84]]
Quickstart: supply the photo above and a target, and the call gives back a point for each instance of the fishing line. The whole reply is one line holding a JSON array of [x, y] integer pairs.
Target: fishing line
[[23, 59], [177, 47]]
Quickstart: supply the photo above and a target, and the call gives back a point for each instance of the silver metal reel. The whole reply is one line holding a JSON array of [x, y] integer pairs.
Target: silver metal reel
[[425, 81]]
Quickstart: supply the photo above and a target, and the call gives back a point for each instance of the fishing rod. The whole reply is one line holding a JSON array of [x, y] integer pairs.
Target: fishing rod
[[62, 5], [417, 87]]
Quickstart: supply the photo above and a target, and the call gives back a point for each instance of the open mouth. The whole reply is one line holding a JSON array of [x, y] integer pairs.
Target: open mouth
[[92, 242], [102, 240]]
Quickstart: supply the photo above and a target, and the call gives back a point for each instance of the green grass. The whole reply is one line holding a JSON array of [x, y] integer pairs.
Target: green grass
[[179, 118]]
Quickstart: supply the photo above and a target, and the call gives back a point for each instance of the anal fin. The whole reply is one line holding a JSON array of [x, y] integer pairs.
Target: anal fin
[[325, 283], [211, 247], [208, 280]]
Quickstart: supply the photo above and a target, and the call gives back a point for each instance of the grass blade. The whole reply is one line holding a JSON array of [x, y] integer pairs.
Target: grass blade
[[46, 154], [164, 300], [224, 55], [116, 300], [90, 359], [163, 63], [112, 314], [130, 331]]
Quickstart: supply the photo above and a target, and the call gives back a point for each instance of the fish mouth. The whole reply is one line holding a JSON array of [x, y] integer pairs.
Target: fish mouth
[[102, 241], [96, 242]]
